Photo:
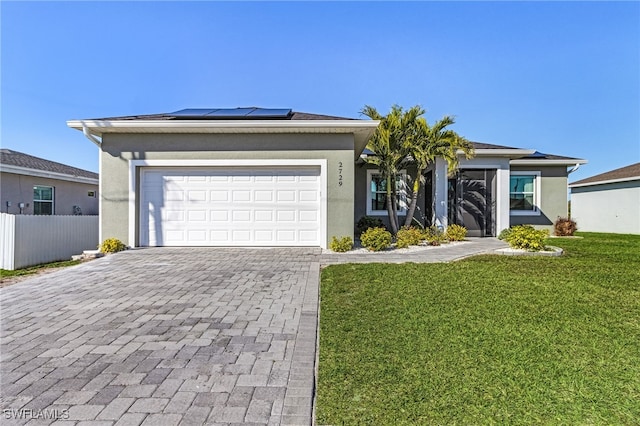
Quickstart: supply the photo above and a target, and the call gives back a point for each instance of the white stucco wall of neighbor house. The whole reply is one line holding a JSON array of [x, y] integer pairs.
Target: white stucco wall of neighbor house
[[612, 207]]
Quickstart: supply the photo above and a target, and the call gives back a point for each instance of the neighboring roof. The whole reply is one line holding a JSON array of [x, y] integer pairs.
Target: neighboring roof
[[18, 162], [623, 174]]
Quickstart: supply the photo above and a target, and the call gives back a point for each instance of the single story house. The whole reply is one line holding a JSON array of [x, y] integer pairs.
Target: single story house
[[32, 185], [608, 202], [276, 177]]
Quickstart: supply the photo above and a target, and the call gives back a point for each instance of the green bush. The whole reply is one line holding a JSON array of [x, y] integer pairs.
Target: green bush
[[504, 234], [408, 237], [341, 245], [434, 236], [565, 227], [456, 232], [367, 222], [376, 239], [112, 245], [526, 237]]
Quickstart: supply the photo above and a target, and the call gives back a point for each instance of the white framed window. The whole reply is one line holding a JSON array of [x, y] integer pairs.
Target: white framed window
[[377, 193], [43, 200], [524, 193]]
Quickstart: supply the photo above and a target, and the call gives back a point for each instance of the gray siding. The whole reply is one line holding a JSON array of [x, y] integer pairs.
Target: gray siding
[[118, 149], [553, 197], [17, 188]]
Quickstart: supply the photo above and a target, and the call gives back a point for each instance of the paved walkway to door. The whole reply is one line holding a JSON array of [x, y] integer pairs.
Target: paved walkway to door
[[164, 336]]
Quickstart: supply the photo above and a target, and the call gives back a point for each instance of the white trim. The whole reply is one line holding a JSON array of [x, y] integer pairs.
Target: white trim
[[52, 201], [536, 194], [604, 182], [403, 195], [134, 164], [98, 127], [8, 168]]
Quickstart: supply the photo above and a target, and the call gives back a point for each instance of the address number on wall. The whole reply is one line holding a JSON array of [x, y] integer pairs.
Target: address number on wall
[[339, 173]]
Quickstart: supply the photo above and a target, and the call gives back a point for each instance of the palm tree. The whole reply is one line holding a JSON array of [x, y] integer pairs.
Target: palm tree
[[391, 143], [428, 143]]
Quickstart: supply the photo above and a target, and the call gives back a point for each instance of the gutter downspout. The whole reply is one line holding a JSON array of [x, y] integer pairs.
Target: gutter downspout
[[88, 135], [573, 169]]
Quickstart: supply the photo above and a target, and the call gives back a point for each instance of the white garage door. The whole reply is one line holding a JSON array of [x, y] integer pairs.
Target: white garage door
[[230, 206]]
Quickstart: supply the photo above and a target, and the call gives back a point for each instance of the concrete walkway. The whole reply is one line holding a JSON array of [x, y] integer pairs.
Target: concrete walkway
[[443, 253], [164, 337]]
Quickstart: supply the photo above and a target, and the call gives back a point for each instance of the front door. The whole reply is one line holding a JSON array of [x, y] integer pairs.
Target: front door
[[471, 201]]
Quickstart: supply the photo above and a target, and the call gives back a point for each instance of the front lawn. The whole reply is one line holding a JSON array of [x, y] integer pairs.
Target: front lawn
[[487, 340], [5, 273]]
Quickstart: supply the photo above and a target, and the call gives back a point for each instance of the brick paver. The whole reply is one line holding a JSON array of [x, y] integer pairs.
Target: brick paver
[[156, 336]]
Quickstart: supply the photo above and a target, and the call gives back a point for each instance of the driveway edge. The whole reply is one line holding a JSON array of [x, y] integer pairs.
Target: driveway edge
[[298, 408]]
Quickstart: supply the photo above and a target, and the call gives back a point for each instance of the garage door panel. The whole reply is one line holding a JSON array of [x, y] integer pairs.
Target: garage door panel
[[230, 206]]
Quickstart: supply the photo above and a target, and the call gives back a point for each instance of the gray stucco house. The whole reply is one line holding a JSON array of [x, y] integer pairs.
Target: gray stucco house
[[608, 202], [275, 177], [33, 185]]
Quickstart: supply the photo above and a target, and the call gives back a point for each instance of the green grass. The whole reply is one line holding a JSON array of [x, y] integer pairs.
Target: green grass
[[4, 273], [488, 340]]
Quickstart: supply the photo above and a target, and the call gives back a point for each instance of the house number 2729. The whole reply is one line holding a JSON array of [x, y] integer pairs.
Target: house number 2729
[[339, 173]]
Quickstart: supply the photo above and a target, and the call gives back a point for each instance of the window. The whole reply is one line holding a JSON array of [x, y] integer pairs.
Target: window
[[524, 189], [43, 200], [377, 193]]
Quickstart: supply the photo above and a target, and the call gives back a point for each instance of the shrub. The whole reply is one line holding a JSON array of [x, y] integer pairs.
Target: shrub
[[456, 232], [526, 237], [504, 234], [367, 222], [408, 237], [565, 227], [341, 245], [376, 239], [112, 245], [435, 236]]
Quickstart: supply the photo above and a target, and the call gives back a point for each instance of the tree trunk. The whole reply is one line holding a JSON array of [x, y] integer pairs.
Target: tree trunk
[[417, 185], [414, 200], [391, 206]]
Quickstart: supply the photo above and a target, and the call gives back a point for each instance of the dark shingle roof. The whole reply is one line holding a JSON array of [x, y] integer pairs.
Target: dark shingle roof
[[19, 159], [542, 156], [627, 172], [482, 145], [295, 115]]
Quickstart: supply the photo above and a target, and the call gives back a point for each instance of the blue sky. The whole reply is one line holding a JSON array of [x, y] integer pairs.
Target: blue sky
[[562, 78]]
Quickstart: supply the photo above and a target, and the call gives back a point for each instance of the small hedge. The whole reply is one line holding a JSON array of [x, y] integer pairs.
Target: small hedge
[[456, 232], [565, 227], [526, 237], [112, 245], [408, 237], [367, 222], [341, 245], [435, 236], [376, 239]]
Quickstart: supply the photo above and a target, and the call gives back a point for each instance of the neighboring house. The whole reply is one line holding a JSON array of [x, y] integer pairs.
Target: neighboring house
[[275, 177], [32, 185], [608, 202]]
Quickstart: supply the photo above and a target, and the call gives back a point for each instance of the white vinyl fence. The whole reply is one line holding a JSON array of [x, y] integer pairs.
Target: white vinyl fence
[[32, 240]]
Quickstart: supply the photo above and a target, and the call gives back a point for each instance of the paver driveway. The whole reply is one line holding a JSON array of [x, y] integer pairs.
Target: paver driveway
[[164, 336]]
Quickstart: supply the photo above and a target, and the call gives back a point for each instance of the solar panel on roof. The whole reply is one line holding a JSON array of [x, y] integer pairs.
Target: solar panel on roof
[[229, 112], [232, 113], [270, 113], [192, 112]]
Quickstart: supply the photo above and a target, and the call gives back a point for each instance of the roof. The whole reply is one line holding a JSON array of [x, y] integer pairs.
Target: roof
[[17, 159], [217, 114], [250, 120], [627, 173]]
